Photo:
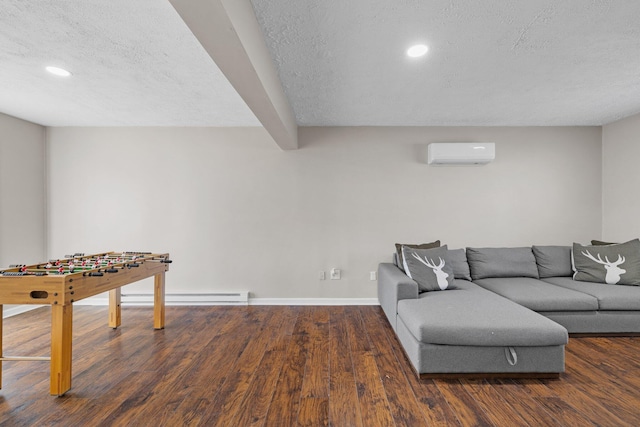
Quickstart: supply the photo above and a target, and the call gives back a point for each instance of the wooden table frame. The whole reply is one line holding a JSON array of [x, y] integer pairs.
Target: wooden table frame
[[62, 290]]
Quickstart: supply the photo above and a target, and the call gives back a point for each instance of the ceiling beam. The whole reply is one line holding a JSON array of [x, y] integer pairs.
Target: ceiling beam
[[229, 32]]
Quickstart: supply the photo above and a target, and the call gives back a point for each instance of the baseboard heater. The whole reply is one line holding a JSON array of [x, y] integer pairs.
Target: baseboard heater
[[217, 298]]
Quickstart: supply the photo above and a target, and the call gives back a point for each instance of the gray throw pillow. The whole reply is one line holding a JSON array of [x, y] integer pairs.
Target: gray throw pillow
[[399, 246], [601, 243], [617, 264], [502, 262], [430, 268], [458, 260], [553, 261]]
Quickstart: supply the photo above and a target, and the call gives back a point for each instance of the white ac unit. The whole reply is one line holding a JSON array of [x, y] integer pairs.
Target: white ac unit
[[461, 153]]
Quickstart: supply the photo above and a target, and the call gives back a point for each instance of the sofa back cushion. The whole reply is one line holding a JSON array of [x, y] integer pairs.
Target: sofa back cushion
[[458, 259], [553, 261], [501, 262]]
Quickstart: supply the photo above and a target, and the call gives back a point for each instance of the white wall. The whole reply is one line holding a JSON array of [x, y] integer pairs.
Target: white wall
[[236, 212], [621, 179], [22, 197], [22, 186]]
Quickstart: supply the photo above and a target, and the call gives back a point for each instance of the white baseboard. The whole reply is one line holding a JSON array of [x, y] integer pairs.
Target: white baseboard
[[17, 309], [314, 301], [144, 300], [219, 298], [199, 300]]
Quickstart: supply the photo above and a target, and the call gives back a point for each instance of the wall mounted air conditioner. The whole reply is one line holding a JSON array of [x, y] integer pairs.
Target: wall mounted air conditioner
[[460, 153]]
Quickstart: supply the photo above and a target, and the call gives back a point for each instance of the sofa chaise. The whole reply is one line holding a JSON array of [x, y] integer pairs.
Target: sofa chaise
[[508, 311]]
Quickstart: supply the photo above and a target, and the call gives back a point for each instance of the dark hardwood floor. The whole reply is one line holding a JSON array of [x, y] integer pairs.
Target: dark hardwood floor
[[285, 366]]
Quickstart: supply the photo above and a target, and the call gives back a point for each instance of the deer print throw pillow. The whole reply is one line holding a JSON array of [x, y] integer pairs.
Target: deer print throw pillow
[[612, 264], [399, 246], [430, 268]]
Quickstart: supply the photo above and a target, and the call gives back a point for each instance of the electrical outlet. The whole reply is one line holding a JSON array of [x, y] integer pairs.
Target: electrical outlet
[[335, 274], [373, 275]]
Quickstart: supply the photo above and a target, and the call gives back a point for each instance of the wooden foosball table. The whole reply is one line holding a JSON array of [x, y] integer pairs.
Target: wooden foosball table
[[60, 283]]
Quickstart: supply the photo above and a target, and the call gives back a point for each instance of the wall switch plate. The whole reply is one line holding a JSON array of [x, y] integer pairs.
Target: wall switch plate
[[321, 275], [335, 274], [373, 275]]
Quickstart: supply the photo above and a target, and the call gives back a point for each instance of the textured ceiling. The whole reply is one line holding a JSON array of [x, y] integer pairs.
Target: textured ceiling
[[134, 63], [491, 62]]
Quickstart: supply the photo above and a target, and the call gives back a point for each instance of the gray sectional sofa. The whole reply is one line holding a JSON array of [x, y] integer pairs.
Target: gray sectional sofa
[[508, 312]]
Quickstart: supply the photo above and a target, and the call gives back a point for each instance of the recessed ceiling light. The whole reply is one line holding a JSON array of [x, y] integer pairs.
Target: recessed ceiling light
[[417, 50], [58, 71]]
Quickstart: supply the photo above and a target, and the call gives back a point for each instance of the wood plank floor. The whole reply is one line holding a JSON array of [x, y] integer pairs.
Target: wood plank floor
[[286, 366]]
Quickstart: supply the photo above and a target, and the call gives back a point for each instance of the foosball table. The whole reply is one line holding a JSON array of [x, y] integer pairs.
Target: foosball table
[[61, 282]]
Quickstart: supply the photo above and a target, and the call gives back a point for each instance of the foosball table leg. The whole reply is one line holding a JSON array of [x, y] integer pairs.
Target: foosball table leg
[[115, 311], [61, 334], [158, 301]]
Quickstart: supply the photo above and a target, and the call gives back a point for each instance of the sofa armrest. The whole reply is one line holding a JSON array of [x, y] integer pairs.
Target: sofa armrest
[[393, 286]]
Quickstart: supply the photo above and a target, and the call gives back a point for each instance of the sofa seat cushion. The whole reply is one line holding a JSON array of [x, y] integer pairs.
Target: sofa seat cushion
[[538, 295], [610, 297], [472, 316]]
